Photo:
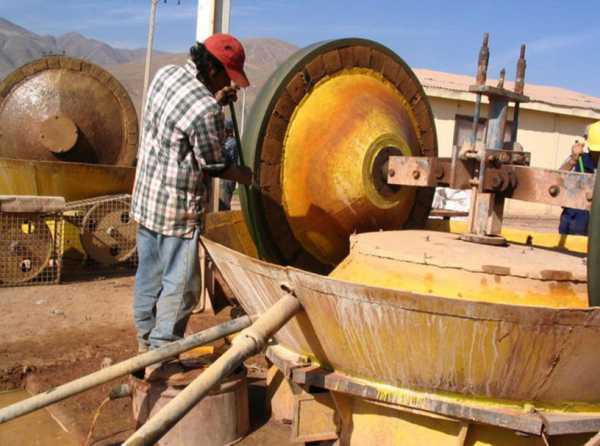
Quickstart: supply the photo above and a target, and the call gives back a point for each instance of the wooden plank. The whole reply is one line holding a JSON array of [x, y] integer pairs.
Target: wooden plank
[[31, 203]]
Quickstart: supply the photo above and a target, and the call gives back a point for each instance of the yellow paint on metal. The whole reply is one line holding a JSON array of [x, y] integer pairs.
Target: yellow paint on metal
[[458, 283], [572, 243], [229, 229], [73, 181], [372, 423], [329, 161]]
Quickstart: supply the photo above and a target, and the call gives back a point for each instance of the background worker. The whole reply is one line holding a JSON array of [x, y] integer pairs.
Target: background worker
[[227, 187], [575, 221], [183, 140]]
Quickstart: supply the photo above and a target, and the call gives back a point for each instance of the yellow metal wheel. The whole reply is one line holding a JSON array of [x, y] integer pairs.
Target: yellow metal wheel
[[326, 123]]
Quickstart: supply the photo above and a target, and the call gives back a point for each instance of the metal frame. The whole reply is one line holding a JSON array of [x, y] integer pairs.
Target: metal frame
[[296, 369], [495, 170]]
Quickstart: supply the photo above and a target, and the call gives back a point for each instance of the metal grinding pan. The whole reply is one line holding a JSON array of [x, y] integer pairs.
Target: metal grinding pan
[[62, 109], [322, 128], [108, 232]]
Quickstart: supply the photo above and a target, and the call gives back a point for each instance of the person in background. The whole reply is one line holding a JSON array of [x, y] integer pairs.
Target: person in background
[[183, 138], [575, 221], [227, 187]]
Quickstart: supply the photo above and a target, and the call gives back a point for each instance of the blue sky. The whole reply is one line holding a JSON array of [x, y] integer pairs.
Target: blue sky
[[563, 37]]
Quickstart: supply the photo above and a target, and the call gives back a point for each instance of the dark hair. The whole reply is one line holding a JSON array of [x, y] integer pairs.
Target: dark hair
[[202, 59]]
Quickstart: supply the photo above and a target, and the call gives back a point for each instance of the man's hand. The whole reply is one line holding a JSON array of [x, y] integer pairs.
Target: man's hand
[[240, 174], [226, 95]]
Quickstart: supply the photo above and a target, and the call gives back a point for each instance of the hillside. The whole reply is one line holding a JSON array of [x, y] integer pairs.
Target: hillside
[[19, 46]]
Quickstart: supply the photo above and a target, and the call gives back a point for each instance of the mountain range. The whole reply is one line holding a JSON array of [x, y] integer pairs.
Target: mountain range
[[19, 46]]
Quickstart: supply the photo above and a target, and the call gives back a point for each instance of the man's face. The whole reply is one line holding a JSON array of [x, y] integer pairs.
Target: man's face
[[218, 80]]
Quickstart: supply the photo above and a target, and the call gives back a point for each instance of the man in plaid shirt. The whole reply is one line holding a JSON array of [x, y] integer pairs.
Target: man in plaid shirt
[[182, 142]]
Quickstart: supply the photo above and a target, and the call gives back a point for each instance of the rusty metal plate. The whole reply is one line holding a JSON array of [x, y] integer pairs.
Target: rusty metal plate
[[553, 187], [63, 109], [321, 121]]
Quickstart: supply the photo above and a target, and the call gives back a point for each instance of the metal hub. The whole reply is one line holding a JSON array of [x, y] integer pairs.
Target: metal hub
[[58, 134], [108, 232]]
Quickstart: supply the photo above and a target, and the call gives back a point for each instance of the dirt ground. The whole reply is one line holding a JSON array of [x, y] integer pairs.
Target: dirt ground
[[53, 334]]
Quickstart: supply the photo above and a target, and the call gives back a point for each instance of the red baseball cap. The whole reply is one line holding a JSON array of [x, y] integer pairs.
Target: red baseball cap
[[230, 52]]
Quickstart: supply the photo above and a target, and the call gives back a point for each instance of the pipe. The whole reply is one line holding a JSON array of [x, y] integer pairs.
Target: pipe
[[121, 369], [249, 342]]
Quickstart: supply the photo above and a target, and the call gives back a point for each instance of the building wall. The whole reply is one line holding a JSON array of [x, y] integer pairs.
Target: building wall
[[548, 136]]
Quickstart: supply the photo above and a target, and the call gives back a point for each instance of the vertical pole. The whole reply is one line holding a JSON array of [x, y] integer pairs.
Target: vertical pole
[[520, 89], [212, 17], [149, 45], [480, 79]]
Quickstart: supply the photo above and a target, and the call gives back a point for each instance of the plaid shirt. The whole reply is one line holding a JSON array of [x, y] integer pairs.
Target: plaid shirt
[[183, 135]]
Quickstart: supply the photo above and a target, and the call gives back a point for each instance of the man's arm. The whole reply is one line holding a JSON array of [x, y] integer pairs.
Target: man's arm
[[207, 140], [571, 161], [240, 174]]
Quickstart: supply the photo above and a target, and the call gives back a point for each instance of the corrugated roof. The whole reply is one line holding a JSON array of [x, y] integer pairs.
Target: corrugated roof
[[544, 94]]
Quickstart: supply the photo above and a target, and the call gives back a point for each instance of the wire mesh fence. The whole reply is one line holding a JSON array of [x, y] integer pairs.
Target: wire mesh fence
[[89, 238], [30, 248], [100, 237]]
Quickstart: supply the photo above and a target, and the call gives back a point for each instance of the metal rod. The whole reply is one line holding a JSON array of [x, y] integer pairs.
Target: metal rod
[[149, 45], [123, 368], [236, 133], [249, 342], [243, 120], [515, 127]]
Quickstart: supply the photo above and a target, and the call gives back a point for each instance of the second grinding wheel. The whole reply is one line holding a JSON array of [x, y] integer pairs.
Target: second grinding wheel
[[63, 109], [322, 130]]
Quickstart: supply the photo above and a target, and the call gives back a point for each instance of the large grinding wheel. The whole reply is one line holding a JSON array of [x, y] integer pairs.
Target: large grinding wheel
[[63, 109], [25, 247], [108, 232], [322, 129]]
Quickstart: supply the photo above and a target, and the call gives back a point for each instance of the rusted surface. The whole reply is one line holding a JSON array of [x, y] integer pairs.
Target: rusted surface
[[63, 109], [553, 187], [221, 418], [58, 134], [488, 90], [419, 341], [534, 185]]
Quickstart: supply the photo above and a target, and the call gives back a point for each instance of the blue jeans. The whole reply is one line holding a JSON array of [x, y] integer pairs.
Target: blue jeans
[[167, 286]]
